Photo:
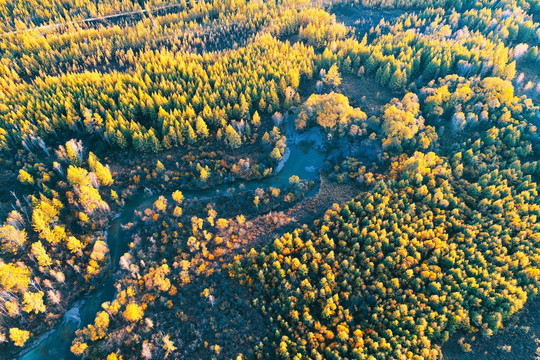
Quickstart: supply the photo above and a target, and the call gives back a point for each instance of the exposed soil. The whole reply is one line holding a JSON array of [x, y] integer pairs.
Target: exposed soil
[[266, 228], [519, 340]]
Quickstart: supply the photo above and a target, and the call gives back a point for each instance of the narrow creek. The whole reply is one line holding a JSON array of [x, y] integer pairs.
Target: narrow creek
[[304, 160]]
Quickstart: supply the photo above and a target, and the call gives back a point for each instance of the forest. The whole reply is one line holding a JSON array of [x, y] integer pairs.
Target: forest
[[289, 179]]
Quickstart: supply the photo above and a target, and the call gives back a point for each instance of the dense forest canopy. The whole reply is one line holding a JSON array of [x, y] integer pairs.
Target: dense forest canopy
[[420, 220]]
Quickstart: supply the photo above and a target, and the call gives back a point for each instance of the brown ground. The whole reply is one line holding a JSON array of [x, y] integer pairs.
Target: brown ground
[[366, 93], [233, 322], [266, 228], [362, 19], [362, 91], [519, 340], [532, 73]]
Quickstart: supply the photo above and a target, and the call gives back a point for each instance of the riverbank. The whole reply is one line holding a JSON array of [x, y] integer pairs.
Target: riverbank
[[275, 195]]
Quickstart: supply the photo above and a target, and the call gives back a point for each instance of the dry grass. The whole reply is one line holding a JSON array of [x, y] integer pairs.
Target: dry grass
[[363, 19], [366, 93], [532, 73], [264, 229]]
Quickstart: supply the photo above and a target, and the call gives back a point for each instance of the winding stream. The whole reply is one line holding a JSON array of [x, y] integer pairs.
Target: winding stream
[[303, 160]]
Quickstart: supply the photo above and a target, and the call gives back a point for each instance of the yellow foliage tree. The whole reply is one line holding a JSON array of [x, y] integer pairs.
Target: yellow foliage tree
[[73, 244], [25, 178], [13, 277], [12, 238], [12, 308], [33, 302], [99, 251], [168, 345], [113, 356], [222, 223], [39, 252], [133, 312], [78, 348], [18, 336], [332, 77], [178, 196], [103, 174]]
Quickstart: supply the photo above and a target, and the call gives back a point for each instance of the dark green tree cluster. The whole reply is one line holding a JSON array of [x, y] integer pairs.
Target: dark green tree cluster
[[460, 5], [417, 48], [442, 242], [171, 100], [194, 29]]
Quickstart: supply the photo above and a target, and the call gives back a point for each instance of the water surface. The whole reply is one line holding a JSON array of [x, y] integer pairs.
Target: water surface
[[303, 160]]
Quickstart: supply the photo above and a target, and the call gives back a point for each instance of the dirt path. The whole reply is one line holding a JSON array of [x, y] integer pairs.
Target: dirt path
[[94, 19]]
